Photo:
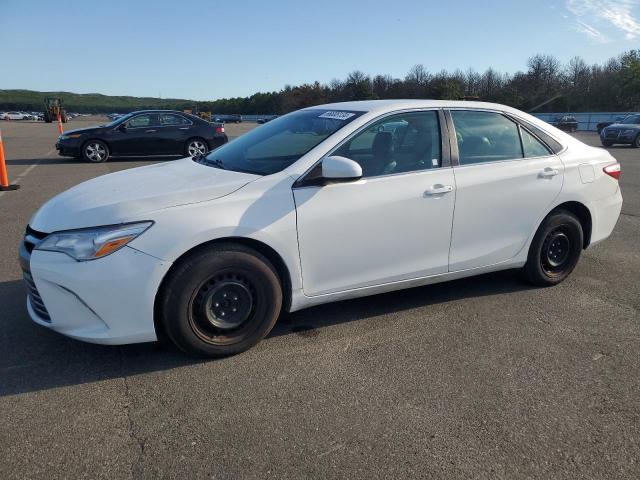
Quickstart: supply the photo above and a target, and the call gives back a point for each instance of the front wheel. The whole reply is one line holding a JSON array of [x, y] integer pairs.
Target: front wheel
[[220, 301], [555, 249], [196, 147], [606, 143], [95, 151], [636, 142]]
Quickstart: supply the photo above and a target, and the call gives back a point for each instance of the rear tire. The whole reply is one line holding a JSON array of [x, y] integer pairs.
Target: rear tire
[[606, 143], [220, 301], [95, 151], [636, 142], [195, 147], [555, 249]]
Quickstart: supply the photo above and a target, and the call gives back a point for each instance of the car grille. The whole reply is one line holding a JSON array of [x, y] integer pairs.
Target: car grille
[[31, 239], [611, 133], [34, 297]]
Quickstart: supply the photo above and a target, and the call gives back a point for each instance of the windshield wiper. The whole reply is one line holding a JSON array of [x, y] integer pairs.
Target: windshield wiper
[[214, 163]]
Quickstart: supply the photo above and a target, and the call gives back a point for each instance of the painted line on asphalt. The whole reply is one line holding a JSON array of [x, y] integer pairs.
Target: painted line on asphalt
[[29, 169]]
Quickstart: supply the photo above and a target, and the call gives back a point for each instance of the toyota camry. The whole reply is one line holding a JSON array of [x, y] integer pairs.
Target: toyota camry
[[323, 204]]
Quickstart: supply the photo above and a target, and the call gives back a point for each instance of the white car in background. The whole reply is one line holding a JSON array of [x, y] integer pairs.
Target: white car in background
[[323, 204], [14, 116]]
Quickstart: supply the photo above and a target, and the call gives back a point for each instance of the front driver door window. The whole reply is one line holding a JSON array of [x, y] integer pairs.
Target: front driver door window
[[394, 224], [397, 144]]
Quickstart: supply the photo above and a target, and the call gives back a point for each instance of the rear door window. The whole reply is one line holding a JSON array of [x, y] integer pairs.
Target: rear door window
[[170, 119], [486, 137]]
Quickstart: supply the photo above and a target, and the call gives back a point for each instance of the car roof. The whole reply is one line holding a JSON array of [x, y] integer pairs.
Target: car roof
[[159, 111], [392, 105]]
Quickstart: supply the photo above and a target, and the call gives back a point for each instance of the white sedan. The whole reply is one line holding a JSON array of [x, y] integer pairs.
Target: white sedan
[[15, 116], [323, 204]]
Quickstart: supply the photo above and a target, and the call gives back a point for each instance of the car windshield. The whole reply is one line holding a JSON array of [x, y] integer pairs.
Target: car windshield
[[274, 146], [118, 120], [632, 120]]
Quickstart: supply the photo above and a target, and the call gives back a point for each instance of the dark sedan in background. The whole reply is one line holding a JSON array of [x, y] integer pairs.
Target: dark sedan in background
[[566, 123], [143, 133], [626, 132], [229, 119]]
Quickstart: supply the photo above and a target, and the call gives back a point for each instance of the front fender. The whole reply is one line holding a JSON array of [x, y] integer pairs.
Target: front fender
[[263, 211]]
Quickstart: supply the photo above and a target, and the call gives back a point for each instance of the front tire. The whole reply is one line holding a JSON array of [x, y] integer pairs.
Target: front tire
[[636, 142], [606, 143], [95, 151], [555, 249], [220, 301]]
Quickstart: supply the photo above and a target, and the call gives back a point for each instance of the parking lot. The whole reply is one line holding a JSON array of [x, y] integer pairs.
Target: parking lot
[[484, 377]]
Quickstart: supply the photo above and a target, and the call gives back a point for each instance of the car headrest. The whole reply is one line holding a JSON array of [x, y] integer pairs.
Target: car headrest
[[382, 143]]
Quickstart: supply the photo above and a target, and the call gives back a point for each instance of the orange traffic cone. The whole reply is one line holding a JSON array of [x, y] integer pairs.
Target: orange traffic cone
[[60, 130], [4, 178]]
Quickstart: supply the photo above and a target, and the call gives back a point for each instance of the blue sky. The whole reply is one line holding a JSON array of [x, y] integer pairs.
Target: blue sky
[[212, 49]]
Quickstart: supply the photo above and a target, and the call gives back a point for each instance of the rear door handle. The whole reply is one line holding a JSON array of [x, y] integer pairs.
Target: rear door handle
[[438, 189], [150, 131], [549, 172]]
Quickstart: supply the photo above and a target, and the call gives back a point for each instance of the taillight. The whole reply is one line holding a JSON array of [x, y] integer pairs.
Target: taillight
[[219, 129], [612, 170]]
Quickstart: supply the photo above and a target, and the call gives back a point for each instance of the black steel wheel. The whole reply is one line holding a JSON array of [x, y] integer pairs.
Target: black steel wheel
[[555, 249], [220, 300]]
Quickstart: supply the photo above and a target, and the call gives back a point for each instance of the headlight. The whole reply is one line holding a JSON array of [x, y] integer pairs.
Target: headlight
[[92, 243], [628, 132]]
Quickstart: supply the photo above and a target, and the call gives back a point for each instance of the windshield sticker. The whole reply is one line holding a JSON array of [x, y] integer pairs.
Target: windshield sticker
[[337, 115]]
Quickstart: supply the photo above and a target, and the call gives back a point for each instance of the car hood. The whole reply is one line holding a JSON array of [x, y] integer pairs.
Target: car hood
[[123, 196], [624, 125], [85, 130]]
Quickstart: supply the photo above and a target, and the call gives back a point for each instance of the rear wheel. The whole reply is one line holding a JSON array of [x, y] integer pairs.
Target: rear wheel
[[636, 142], [220, 301], [555, 249], [606, 143], [196, 147], [95, 151]]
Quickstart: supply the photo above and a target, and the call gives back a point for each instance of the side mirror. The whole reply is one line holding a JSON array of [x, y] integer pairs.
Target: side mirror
[[122, 127], [340, 168]]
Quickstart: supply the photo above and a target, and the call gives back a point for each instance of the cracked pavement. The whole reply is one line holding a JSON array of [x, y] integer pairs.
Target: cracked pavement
[[478, 378]]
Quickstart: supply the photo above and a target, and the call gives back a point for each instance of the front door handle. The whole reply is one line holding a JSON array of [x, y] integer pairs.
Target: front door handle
[[150, 131], [549, 172], [438, 189]]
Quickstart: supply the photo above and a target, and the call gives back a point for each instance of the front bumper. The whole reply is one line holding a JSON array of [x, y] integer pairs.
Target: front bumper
[[68, 148], [616, 136], [108, 301]]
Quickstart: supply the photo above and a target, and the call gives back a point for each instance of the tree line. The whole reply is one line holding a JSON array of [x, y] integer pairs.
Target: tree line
[[547, 85]]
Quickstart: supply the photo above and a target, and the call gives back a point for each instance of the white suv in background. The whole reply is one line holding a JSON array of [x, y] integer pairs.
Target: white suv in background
[[323, 204]]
